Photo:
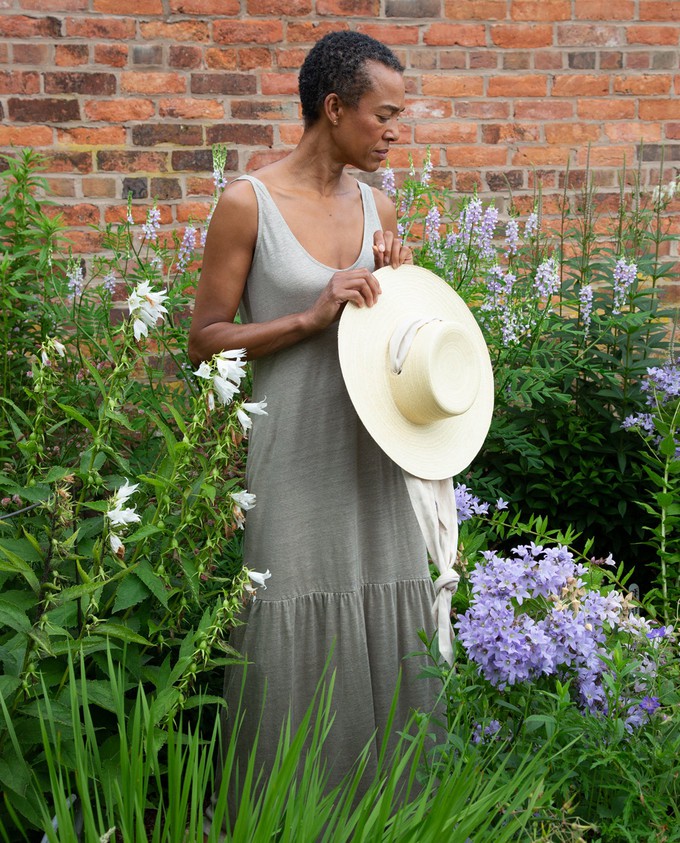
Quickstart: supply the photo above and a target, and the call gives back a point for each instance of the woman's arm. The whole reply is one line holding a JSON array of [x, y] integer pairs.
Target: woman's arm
[[388, 249], [227, 259]]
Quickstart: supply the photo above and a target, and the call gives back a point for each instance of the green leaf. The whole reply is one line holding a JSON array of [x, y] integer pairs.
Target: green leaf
[[14, 564], [129, 593], [119, 630], [78, 416], [153, 582], [13, 617], [667, 446]]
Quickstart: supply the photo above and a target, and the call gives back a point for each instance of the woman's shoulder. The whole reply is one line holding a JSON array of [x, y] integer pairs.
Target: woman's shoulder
[[384, 206]]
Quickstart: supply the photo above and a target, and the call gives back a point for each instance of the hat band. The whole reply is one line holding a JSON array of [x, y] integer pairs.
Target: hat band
[[434, 370]]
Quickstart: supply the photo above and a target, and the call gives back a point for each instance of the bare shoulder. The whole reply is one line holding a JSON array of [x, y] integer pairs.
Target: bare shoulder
[[386, 210]]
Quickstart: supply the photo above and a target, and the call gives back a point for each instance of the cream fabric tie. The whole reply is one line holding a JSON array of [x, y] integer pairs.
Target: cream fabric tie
[[434, 503]]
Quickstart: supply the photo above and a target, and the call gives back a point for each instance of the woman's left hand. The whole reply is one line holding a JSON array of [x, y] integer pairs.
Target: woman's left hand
[[388, 250]]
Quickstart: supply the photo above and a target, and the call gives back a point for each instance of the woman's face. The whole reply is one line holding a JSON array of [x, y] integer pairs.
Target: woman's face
[[366, 131]]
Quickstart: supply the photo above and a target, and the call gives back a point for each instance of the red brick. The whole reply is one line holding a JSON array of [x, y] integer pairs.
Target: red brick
[[92, 136], [257, 160], [141, 7], [427, 109], [209, 8], [392, 34], [290, 58], [580, 85], [19, 82], [308, 32], [185, 56], [25, 136], [199, 187], [279, 83], [401, 157], [32, 53], [185, 30], [452, 86], [476, 156], [657, 36], [221, 59], [643, 84], [141, 82], [515, 132], [252, 58], [521, 36], [223, 83], [76, 82], [22, 26], [188, 211], [540, 10], [483, 10], [590, 35], [464, 35], [54, 5], [547, 60], [278, 8], [114, 55], [122, 161], [43, 110], [607, 156], [81, 214], [661, 10], [83, 242], [661, 109], [247, 134], [71, 55], [94, 187], [107, 29], [517, 86], [119, 110], [290, 135], [482, 110], [175, 134], [358, 8], [444, 133], [638, 61], [575, 133], [633, 132], [673, 130], [604, 10], [263, 110], [186, 108], [549, 110], [468, 182], [61, 186], [242, 32], [68, 162], [541, 156], [606, 109], [450, 59]]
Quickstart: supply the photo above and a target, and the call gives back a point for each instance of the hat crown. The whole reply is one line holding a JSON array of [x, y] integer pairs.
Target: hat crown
[[440, 376]]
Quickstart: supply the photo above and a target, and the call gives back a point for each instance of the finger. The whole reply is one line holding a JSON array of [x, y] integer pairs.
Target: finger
[[395, 253], [405, 255]]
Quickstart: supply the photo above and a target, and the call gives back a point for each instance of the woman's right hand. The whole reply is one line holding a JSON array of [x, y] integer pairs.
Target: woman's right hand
[[356, 285]]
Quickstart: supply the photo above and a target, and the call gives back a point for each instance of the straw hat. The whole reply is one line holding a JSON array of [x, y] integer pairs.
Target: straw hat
[[431, 416]]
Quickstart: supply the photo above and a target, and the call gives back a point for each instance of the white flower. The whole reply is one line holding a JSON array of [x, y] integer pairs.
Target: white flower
[[45, 358], [117, 545], [245, 500], [225, 389], [59, 347], [203, 371], [123, 494], [122, 517], [146, 308], [256, 408], [259, 580], [230, 368], [211, 400]]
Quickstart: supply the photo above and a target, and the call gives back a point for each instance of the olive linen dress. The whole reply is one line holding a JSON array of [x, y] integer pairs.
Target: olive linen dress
[[333, 523]]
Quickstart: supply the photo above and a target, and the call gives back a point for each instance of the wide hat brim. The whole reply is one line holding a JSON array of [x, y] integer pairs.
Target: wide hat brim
[[433, 450]]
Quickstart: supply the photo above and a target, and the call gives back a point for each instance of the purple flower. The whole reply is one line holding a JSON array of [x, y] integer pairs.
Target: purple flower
[[152, 224], [624, 275], [219, 179], [109, 282], [650, 704], [501, 504], [76, 278], [643, 422], [481, 733], [469, 219], [487, 229], [531, 225], [432, 223], [427, 171], [388, 184], [186, 248], [511, 237], [663, 382], [657, 632], [467, 504], [586, 298], [547, 279]]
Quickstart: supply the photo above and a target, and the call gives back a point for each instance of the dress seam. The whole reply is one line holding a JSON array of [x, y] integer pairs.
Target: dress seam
[[342, 593]]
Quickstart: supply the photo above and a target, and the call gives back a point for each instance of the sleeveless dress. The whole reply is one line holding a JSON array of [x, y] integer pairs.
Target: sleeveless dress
[[334, 525]]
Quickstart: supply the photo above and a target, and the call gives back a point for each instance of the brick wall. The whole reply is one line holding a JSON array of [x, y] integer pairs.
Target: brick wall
[[506, 92]]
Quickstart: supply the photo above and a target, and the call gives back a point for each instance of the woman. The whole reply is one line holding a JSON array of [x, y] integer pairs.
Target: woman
[[289, 249]]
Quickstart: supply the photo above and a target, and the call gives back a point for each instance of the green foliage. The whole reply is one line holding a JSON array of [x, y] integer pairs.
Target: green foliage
[[570, 346], [151, 784], [118, 529]]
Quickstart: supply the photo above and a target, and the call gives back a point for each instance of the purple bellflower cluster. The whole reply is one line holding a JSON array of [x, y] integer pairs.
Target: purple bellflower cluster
[[624, 276], [186, 248], [531, 615]]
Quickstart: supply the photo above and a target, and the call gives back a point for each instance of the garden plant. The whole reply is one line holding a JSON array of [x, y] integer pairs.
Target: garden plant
[[122, 500]]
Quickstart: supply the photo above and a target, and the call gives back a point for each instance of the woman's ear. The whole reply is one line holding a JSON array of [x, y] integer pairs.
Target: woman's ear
[[332, 107]]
